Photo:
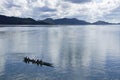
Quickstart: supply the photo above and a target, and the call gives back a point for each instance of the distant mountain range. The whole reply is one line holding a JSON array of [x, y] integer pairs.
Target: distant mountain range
[[5, 20], [66, 21], [20, 21]]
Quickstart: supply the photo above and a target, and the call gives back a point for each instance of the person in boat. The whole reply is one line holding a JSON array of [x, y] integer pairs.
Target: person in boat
[[41, 62], [26, 59]]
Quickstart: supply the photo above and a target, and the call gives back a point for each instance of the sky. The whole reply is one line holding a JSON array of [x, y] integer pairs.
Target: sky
[[89, 10]]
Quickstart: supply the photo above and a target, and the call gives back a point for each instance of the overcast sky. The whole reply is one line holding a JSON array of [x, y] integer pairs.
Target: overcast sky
[[89, 10]]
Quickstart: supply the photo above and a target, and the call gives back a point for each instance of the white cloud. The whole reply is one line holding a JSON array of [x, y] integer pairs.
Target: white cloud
[[85, 9]]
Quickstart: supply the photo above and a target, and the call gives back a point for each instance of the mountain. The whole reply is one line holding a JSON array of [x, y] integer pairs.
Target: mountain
[[21, 21], [101, 23], [66, 21], [49, 21], [118, 23]]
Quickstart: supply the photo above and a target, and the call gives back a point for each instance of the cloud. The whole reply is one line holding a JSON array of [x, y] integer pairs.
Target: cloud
[[101, 9], [114, 16], [90, 10], [44, 9], [78, 1], [10, 5]]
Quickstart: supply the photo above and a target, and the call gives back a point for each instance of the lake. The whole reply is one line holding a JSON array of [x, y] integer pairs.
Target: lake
[[76, 52]]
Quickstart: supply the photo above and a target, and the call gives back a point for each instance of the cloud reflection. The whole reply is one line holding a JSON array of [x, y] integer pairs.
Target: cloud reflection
[[2, 55], [83, 52]]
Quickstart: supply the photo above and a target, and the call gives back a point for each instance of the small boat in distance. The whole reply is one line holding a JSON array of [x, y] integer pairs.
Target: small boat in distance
[[38, 62]]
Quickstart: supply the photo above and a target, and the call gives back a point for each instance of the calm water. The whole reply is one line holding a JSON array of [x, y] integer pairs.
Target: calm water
[[77, 52]]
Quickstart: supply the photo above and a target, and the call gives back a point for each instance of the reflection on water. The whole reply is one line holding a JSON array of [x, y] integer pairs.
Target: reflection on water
[[77, 52]]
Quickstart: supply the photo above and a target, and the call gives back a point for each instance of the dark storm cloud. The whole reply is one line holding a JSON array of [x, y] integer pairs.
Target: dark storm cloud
[[78, 1]]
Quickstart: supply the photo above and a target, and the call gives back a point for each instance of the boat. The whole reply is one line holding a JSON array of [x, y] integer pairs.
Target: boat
[[37, 61]]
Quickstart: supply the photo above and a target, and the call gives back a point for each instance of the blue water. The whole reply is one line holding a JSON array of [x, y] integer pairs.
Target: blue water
[[77, 52]]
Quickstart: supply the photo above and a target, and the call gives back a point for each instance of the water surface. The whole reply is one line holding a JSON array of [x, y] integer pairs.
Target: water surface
[[77, 52]]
